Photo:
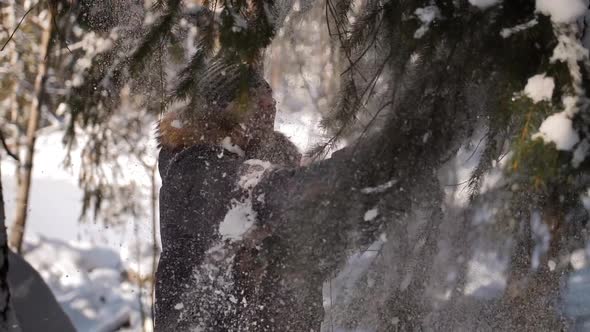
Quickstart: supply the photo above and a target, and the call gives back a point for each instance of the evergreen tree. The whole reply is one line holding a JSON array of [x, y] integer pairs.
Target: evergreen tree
[[420, 80]]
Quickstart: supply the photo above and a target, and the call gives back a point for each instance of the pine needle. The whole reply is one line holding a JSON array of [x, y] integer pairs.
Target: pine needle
[[17, 26]]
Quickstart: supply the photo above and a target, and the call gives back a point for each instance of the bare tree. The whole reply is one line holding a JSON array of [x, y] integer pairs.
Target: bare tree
[[25, 174]]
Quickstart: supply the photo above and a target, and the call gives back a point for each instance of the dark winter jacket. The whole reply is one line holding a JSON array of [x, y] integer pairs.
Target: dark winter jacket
[[197, 186]]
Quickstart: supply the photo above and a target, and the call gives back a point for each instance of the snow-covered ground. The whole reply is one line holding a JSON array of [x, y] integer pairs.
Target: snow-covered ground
[[86, 264], [55, 201], [91, 284]]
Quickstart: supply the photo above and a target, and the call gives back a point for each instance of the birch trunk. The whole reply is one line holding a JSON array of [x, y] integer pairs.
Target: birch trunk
[[22, 201], [8, 321]]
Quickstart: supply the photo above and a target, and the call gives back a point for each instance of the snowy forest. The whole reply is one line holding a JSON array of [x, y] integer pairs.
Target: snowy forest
[[294, 165]]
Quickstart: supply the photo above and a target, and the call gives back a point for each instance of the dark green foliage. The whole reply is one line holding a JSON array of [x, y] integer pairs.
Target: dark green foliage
[[189, 75], [227, 51], [539, 178], [406, 103], [246, 28], [226, 61], [385, 69], [97, 97], [155, 35]]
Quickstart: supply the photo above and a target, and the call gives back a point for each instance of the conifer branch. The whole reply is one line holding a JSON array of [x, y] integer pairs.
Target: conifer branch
[[18, 25]]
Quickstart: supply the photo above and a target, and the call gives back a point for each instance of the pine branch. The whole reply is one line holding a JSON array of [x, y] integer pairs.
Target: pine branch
[[189, 76], [156, 33], [18, 25]]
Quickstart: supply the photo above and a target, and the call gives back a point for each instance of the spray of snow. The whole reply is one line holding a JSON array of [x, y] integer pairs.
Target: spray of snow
[[339, 291], [92, 45], [540, 88], [240, 218], [484, 4], [454, 175], [301, 127], [213, 282], [562, 11], [426, 15], [485, 277]]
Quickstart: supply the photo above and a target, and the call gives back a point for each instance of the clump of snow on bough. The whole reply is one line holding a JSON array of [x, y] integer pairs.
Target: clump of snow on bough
[[380, 188], [484, 4], [507, 32], [558, 128], [539, 88], [562, 11], [371, 214], [426, 15]]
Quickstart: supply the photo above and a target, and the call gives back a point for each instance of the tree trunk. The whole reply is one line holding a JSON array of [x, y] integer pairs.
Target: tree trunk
[[155, 247], [15, 117], [22, 200], [140, 281], [8, 321]]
